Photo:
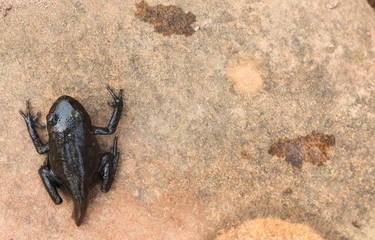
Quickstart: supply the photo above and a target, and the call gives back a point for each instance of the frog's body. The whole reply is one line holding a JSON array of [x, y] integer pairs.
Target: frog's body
[[74, 162]]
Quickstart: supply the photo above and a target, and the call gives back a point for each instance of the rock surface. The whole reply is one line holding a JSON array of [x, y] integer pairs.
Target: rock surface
[[195, 134], [266, 229]]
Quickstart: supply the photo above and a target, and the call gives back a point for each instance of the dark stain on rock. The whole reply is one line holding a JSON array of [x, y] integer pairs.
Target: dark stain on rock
[[372, 3], [6, 10], [356, 224], [166, 20], [312, 148]]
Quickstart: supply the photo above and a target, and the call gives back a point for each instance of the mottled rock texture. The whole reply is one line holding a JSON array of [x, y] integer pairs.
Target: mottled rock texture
[[195, 134], [266, 229]]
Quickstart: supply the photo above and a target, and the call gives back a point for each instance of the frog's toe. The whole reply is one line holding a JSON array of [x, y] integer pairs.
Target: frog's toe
[[118, 99], [26, 114], [22, 114]]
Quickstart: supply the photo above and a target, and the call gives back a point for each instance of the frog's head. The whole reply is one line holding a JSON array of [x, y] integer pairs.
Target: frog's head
[[67, 113]]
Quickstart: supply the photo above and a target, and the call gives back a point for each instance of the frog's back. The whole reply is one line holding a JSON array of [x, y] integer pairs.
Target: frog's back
[[74, 154], [75, 161]]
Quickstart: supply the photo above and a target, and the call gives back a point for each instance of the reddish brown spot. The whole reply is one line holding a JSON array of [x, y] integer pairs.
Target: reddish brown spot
[[245, 155], [288, 191], [312, 148], [167, 20]]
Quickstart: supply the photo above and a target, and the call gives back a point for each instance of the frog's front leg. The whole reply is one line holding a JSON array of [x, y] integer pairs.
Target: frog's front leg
[[116, 115], [108, 167], [51, 182], [32, 124]]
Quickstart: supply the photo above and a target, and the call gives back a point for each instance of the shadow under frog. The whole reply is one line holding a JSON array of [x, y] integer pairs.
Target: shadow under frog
[[74, 162]]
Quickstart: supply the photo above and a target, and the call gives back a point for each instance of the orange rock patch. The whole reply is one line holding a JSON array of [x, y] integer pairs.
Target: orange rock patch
[[245, 77]]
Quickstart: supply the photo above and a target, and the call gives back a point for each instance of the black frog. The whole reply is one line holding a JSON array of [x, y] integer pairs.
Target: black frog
[[74, 163]]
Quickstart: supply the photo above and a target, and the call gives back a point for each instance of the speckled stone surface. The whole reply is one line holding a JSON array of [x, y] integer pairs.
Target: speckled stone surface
[[201, 114]]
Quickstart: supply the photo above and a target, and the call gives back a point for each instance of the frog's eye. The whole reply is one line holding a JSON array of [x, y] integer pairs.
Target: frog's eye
[[52, 119], [77, 115]]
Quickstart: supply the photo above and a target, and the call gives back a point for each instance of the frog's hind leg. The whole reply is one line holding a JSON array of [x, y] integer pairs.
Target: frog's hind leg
[[108, 167], [50, 182]]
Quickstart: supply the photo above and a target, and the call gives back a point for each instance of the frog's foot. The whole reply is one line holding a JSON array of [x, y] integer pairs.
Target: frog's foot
[[108, 167], [116, 115], [117, 99], [51, 183], [31, 121]]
